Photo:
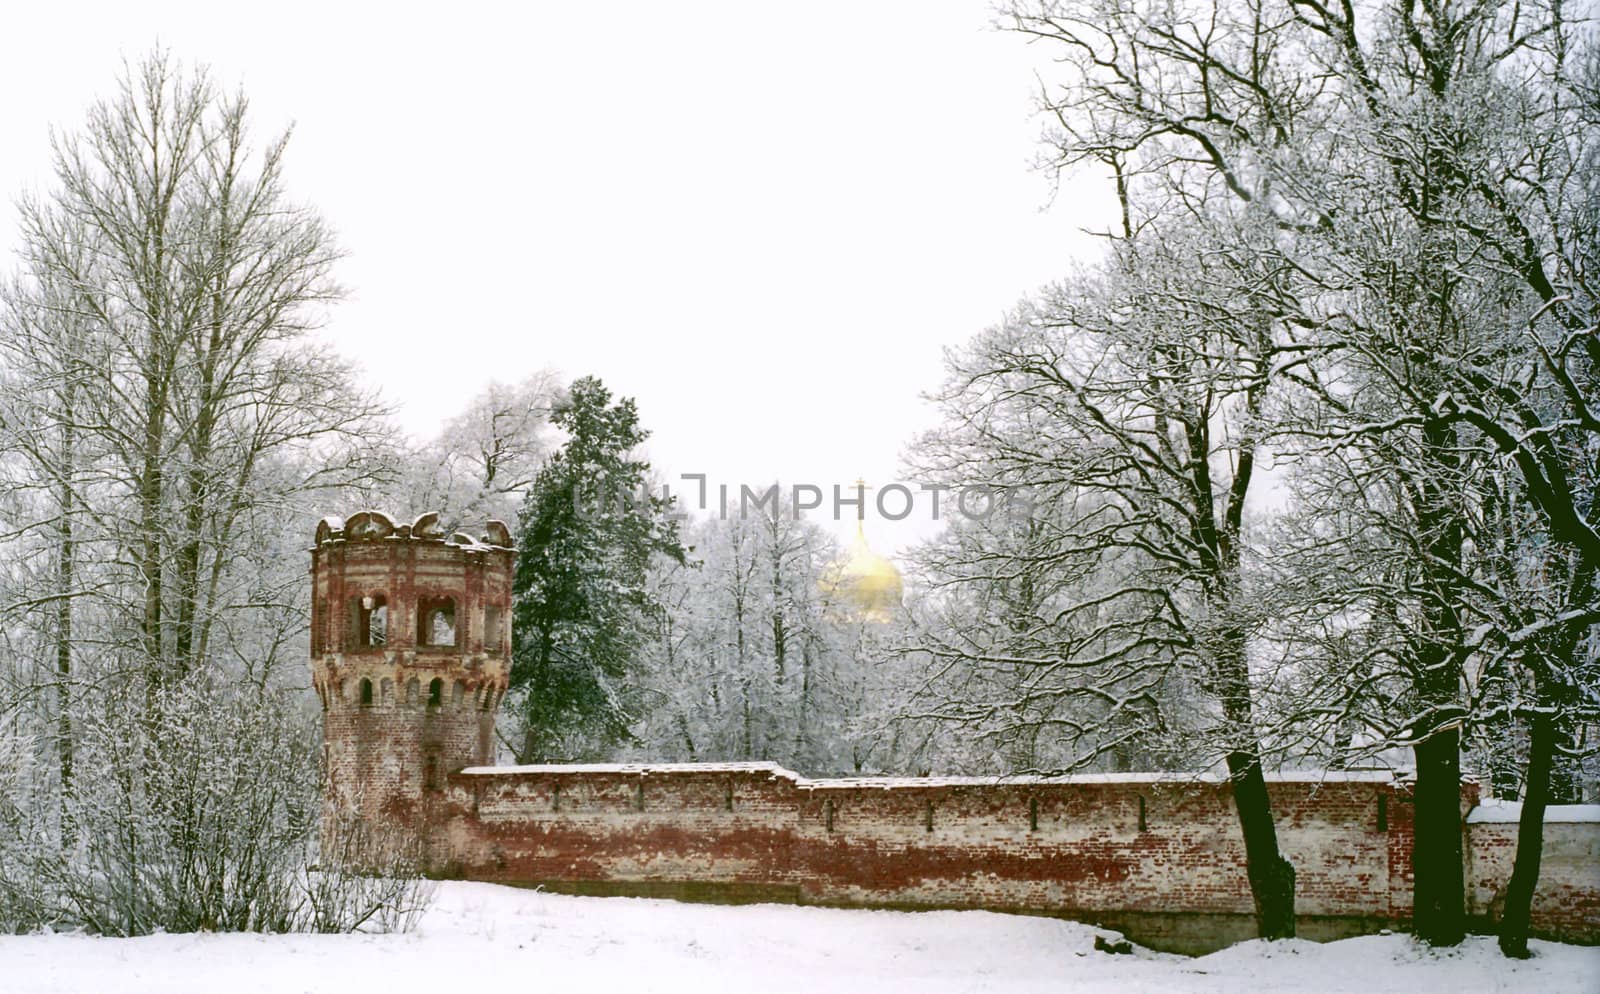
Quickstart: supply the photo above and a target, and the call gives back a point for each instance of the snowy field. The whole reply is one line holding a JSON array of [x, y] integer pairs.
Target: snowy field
[[485, 937]]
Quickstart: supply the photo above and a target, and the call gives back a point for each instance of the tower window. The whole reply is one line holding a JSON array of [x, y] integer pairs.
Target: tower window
[[369, 621], [436, 693], [492, 636], [436, 622], [366, 692]]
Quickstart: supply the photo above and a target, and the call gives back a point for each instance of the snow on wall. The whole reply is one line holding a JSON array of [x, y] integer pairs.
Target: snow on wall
[[889, 783], [1501, 812]]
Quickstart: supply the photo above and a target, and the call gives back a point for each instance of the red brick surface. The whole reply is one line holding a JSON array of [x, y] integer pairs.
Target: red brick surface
[[941, 845], [1567, 901]]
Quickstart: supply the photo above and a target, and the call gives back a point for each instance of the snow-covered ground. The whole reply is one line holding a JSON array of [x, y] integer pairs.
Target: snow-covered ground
[[490, 938]]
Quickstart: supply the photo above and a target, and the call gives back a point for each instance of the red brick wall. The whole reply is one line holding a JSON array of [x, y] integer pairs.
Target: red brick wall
[[1566, 904], [1063, 847]]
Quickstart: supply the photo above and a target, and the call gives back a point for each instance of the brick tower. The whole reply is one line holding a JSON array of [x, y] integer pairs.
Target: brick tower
[[410, 651]]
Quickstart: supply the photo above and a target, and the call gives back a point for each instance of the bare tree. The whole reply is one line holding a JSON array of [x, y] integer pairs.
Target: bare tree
[[167, 423], [483, 460], [1131, 402], [1424, 167], [197, 278]]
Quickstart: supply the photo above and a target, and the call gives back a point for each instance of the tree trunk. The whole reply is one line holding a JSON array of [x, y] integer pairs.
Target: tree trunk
[[802, 735], [1438, 913], [151, 482], [1271, 876], [199, 481], [535, 734], [1514, 919], [66, 576]]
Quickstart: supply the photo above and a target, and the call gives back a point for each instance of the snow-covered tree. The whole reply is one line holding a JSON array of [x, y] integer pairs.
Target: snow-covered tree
[[1128, 407], [483, 460], [1424, 169], [167, 426], [752, 659], [586, 536]]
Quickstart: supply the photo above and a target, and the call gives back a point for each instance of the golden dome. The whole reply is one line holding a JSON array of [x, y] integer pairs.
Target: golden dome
[[865, 585]]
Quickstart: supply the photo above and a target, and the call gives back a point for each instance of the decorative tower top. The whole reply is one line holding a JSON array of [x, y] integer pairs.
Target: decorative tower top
[[378, 587]]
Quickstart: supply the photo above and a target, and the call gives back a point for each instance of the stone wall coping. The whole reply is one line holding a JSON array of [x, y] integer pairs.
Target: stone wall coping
[[777, 772], [1501, 812]]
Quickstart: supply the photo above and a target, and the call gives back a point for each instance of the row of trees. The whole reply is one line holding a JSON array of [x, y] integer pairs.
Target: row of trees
[[167, 426], [1315, 444], [758, 654], [1307, 463]]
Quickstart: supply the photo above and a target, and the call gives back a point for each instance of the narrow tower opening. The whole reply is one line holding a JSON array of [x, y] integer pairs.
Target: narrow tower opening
[[369, 621], [492, 635], [436, 622]]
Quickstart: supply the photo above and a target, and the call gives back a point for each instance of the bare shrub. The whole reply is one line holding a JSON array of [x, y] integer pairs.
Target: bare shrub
[[202, 817]]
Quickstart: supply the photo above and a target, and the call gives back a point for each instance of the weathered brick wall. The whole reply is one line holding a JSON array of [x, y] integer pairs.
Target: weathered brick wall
[[378, 763], [1567, 902], [1156, 856]]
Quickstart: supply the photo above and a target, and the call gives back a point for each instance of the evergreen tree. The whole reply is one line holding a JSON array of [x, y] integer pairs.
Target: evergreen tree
[[587, 533]]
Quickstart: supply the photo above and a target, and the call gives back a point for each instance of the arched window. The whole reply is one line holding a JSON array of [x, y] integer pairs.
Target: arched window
[[436, 693], [436, 622], [369, 621], [366, 692]]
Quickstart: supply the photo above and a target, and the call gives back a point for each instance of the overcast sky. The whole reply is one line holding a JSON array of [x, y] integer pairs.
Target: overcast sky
[[764, 221]]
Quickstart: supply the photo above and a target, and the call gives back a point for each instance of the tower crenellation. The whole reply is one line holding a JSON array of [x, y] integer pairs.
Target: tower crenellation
[[410, 655]]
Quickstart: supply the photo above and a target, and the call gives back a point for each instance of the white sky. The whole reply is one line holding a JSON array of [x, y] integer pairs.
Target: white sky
[[762, 220]]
